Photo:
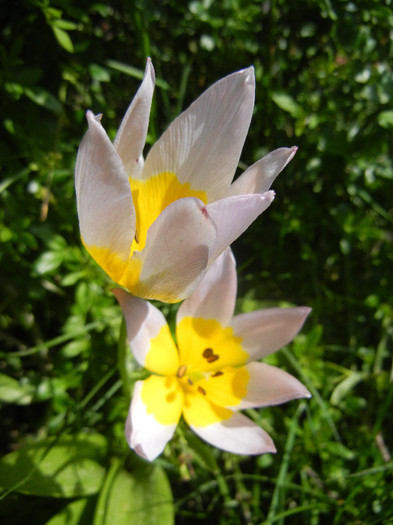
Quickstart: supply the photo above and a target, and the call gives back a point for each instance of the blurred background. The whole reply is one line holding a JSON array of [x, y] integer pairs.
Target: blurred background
[[324, 83]]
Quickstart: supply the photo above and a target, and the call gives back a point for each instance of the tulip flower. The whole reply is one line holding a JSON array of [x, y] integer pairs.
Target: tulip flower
[[213, 371], [155, 227]]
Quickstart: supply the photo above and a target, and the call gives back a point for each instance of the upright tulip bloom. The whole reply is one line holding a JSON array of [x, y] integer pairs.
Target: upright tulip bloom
[[155, 227], [213, 371]]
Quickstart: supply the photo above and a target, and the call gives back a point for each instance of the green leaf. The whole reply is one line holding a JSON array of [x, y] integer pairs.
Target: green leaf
[[63, 38], [42, 97], [48, 262], [142, 497], [345, 386], [287, 103], [99, 73], [12, 392], [385, 119], [71, 514], [68, 467]]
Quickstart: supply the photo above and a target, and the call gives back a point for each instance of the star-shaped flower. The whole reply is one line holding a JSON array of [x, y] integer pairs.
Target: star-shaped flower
[[213, 370], [155, 227]]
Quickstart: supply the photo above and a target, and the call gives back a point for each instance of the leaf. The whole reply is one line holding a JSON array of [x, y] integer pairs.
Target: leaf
[[142, 497], [12, 392], [385, 119], [71, 514], [63, 38], [42, 97], [287, 103], [48, 262], [345, 386], [60, 468]]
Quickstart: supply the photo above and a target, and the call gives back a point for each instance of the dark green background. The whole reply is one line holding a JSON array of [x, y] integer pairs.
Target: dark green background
[[324, 83]]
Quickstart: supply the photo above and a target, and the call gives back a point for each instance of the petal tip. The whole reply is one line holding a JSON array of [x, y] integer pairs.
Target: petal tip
[[92, 118], [150, 69]]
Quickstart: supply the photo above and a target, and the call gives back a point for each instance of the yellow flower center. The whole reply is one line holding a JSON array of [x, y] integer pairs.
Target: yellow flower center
[[208, 377]]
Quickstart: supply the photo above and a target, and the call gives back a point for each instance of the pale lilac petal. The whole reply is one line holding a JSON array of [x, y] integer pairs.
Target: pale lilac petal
[[233, 215], [176, 252], [144, 323], [105, 209], [215, 296], [259, 177], [144, 433], [131, 136], [266, 331], [203, 145], [238, 434], [268, 385]]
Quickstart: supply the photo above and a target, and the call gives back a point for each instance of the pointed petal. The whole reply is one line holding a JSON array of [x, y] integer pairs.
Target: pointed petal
[[268, 385], [203, 145], [260, 176], [176, 253], [105, 209], [148, 334], [233, 215], [148, 431], [238, 435], [131, 136], [266, 331], [215, 295]]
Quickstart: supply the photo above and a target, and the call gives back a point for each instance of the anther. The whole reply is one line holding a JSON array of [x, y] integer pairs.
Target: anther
[[209, 355], [201, 390], [181, 371]]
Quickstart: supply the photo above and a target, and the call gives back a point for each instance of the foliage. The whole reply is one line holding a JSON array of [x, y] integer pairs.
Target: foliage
[[324, 82]]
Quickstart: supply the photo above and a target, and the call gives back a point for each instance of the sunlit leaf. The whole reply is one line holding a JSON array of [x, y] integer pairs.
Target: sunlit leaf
[[63, 38], [11, 391], [142, 497], [68, 467]]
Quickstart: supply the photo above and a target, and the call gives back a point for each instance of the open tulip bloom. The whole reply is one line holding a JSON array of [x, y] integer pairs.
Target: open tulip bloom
[[213, 370], [155, 227]]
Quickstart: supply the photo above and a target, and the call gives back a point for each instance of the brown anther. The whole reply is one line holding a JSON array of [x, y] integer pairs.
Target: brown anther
[[201, 390], [190, 382], [181, 371], [217, 374], [209, 355]]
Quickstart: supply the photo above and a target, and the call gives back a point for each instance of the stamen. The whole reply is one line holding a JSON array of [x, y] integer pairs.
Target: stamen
[[201, 390], [217, 374], [209, 355], [190, 382], [182, 370]]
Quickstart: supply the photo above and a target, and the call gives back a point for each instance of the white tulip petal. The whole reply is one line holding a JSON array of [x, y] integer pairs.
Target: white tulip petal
[[131, 136], [144, 322], [233, 215], [203, 145], [105, 209], [268, 385], [176, 252], [238, 435], [266, 331], [259, 177], [215, 296], [144, 433]]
